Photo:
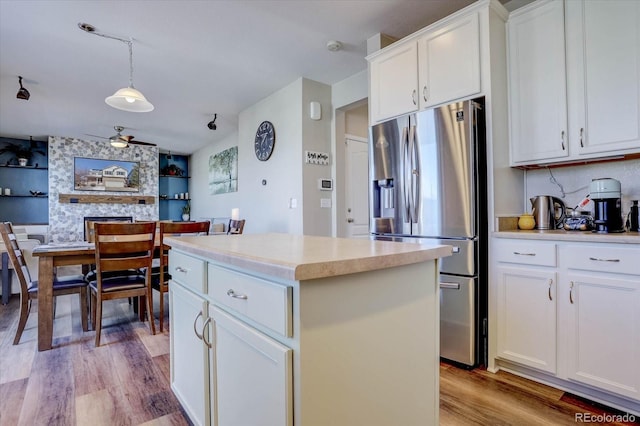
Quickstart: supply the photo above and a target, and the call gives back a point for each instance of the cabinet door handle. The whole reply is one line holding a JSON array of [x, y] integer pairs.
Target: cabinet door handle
[[562, 139], [413, 97], [204, 335], [581, 139], [571, 292], [595, 259], [181, 269], [517, 253], [424, 93], [195, 330], [550, 283], [232, 293]]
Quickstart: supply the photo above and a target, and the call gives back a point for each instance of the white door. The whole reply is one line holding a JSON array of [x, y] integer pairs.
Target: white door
[[603, 339], [356, 187], [527, 317], [449, 62], [189, 356], [603, 60], [394, 83], [253, 377], [537, 88]]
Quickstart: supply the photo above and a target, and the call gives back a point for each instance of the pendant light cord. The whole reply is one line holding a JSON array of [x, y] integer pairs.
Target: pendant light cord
[[128, 43]]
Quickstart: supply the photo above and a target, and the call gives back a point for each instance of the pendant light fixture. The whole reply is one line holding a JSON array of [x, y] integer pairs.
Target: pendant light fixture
[[128, 98]]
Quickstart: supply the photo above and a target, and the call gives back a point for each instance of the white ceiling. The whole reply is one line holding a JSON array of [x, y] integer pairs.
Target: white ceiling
[[191, 59]]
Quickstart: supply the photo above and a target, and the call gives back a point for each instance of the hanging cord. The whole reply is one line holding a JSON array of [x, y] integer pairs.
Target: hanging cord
[[127, 42], [564, 193]]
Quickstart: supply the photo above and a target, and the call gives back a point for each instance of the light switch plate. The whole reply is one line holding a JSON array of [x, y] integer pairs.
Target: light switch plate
[[325, 203]]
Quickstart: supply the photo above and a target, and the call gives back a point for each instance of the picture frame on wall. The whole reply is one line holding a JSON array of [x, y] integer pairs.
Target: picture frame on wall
[[94, 174]]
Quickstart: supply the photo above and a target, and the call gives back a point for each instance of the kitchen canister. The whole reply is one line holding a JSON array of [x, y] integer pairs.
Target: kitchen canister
[[526, 222]]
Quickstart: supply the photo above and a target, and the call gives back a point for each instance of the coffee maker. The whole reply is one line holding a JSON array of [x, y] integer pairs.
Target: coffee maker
[[607, 205]]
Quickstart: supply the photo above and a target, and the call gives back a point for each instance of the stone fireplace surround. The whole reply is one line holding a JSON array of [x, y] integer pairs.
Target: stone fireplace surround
[[66, 219]]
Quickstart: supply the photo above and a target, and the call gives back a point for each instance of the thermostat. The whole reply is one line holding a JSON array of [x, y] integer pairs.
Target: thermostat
[[325, 184]]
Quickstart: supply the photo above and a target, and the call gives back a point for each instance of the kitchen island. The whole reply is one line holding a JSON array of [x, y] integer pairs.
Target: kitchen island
[[280, 329]]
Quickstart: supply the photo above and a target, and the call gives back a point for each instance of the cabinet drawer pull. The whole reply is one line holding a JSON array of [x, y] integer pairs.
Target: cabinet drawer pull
[[562, 139], [571, 292], [523, 254], [595, 259], [195, 330], [550, 283], [581, 139], [413, 97], [204, 335], [181, 269], [232, 293]]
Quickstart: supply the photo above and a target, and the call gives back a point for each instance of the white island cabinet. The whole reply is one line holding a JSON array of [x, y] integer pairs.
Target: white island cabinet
[[281, 329]]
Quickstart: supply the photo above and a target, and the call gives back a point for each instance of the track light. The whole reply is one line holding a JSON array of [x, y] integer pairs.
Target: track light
[[212, 124], [22, 92]]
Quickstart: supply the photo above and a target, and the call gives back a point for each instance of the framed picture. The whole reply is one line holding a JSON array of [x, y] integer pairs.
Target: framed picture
[[93, 174], [223, 171]]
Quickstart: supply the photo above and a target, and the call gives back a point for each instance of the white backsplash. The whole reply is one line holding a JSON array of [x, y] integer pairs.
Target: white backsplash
[[576, 179]]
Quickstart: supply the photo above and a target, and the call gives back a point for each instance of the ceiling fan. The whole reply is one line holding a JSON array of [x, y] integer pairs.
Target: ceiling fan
[[122, 141]]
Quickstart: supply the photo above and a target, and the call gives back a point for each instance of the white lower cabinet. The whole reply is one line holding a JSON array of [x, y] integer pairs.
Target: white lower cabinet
[[527, 317], [189, 356], [253, 377], [603, 320], [572, 319]]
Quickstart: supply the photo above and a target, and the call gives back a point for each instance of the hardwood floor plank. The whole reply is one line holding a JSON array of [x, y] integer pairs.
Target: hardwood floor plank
[[101, 408], [173, 419], [49, 398], [12, 396]]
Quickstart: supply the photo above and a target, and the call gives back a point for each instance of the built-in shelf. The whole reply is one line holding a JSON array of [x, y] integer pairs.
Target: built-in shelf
[[177, 177], [24, 196], [175, 199], [15, 166], [105, 199]]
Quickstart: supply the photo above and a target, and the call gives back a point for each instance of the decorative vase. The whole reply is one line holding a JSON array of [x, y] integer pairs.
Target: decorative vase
[[526, 221], [23, 161], [185, 217]]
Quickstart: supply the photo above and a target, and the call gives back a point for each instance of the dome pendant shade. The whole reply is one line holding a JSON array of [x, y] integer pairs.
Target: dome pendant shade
[[129, 99]]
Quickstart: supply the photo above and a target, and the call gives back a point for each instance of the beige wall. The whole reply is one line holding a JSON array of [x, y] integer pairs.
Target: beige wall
[[267, 207]]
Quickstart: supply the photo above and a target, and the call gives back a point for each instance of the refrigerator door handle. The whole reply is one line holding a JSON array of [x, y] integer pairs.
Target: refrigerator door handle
[[415, 175], [406, 174], [453, 286]]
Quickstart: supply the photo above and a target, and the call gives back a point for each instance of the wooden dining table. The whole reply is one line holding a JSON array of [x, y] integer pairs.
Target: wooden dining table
[[51, 256]]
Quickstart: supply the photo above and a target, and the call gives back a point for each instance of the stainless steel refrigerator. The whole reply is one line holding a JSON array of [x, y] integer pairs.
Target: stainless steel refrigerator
[[428, 184]]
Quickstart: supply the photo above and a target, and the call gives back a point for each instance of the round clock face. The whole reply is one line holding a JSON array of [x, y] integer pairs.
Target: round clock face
[[265, 140]]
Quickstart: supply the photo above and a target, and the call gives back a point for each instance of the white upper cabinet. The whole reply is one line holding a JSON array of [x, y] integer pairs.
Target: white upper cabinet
[[574, 81], [394, 83], [537, 91], [603, 69], [439, 64], [449, 62]]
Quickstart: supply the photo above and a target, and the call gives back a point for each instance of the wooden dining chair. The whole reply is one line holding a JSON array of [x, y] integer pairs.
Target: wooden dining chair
[[29, 288], [235, 226], [122, 247], [161, 275]]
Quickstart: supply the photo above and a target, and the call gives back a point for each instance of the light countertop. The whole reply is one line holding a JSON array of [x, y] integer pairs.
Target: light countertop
[[579, 236], [298, 257]]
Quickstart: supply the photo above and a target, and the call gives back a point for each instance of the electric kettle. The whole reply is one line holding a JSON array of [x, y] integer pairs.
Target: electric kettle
[[548, 211]]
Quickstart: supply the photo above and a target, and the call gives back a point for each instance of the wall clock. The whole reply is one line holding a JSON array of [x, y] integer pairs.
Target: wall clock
[[265, 140]]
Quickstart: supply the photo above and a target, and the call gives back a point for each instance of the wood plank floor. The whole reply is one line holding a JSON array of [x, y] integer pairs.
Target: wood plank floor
[[126, 380]]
